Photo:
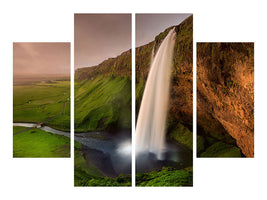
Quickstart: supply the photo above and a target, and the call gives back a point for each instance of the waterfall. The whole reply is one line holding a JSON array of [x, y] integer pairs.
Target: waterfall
[[151, 122]]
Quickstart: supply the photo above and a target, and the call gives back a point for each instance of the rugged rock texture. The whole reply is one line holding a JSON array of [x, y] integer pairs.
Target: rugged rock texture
[[225, 93], [181, 95]]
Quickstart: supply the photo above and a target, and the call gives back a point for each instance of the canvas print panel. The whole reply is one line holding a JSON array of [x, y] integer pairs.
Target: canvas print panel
[[41, 99], [102, 100], [225, 99], [164, 100]]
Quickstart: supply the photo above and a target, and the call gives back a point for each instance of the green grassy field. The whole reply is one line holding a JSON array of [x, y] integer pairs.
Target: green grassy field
[[103, 103], [38, 143], [40, 101]]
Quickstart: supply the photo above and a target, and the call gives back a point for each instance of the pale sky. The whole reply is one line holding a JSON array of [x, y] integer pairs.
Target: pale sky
[[150, 25], [31, 59], [100, 36]]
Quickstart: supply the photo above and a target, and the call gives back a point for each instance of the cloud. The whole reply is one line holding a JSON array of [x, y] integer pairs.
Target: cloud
[[100, 36], [41, 58]]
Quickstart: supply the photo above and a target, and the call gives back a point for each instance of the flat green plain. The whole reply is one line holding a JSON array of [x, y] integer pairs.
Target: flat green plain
[[39, 143], [41, 101]]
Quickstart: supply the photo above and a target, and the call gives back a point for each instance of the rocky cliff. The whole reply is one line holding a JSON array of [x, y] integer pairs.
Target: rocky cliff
[[118, 66], [225, 96]]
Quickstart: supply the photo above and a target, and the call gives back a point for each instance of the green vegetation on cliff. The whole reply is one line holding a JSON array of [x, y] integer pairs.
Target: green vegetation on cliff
[[119, 66], [103, 95], [103, 103]]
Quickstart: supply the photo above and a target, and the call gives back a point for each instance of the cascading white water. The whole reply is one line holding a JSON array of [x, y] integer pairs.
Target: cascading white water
[[150, 128]]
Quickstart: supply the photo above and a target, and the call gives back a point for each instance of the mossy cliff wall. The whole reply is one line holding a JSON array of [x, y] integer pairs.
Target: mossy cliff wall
[[119, 66], [103, 95]]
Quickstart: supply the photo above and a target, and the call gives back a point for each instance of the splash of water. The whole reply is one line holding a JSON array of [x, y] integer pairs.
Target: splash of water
[[125, 148], [150, 128]]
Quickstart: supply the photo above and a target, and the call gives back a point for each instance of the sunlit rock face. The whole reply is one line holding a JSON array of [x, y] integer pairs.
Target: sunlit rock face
[[225, 92]]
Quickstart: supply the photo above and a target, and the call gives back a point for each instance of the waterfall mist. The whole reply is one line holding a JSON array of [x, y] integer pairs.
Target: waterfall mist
[[151, 122]]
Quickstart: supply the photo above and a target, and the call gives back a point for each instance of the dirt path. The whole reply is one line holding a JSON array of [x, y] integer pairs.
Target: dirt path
[[26, 129], [63, 108]]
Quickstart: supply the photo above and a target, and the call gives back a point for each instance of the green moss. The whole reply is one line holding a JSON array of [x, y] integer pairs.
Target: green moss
[[166, 177], [183, 49], [38, 143], [182, 135], [200, 144], [221, 149]]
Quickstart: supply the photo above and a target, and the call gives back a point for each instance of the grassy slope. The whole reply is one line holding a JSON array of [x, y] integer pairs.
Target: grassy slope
[[39, 101], [38, 143], [103, 103]]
